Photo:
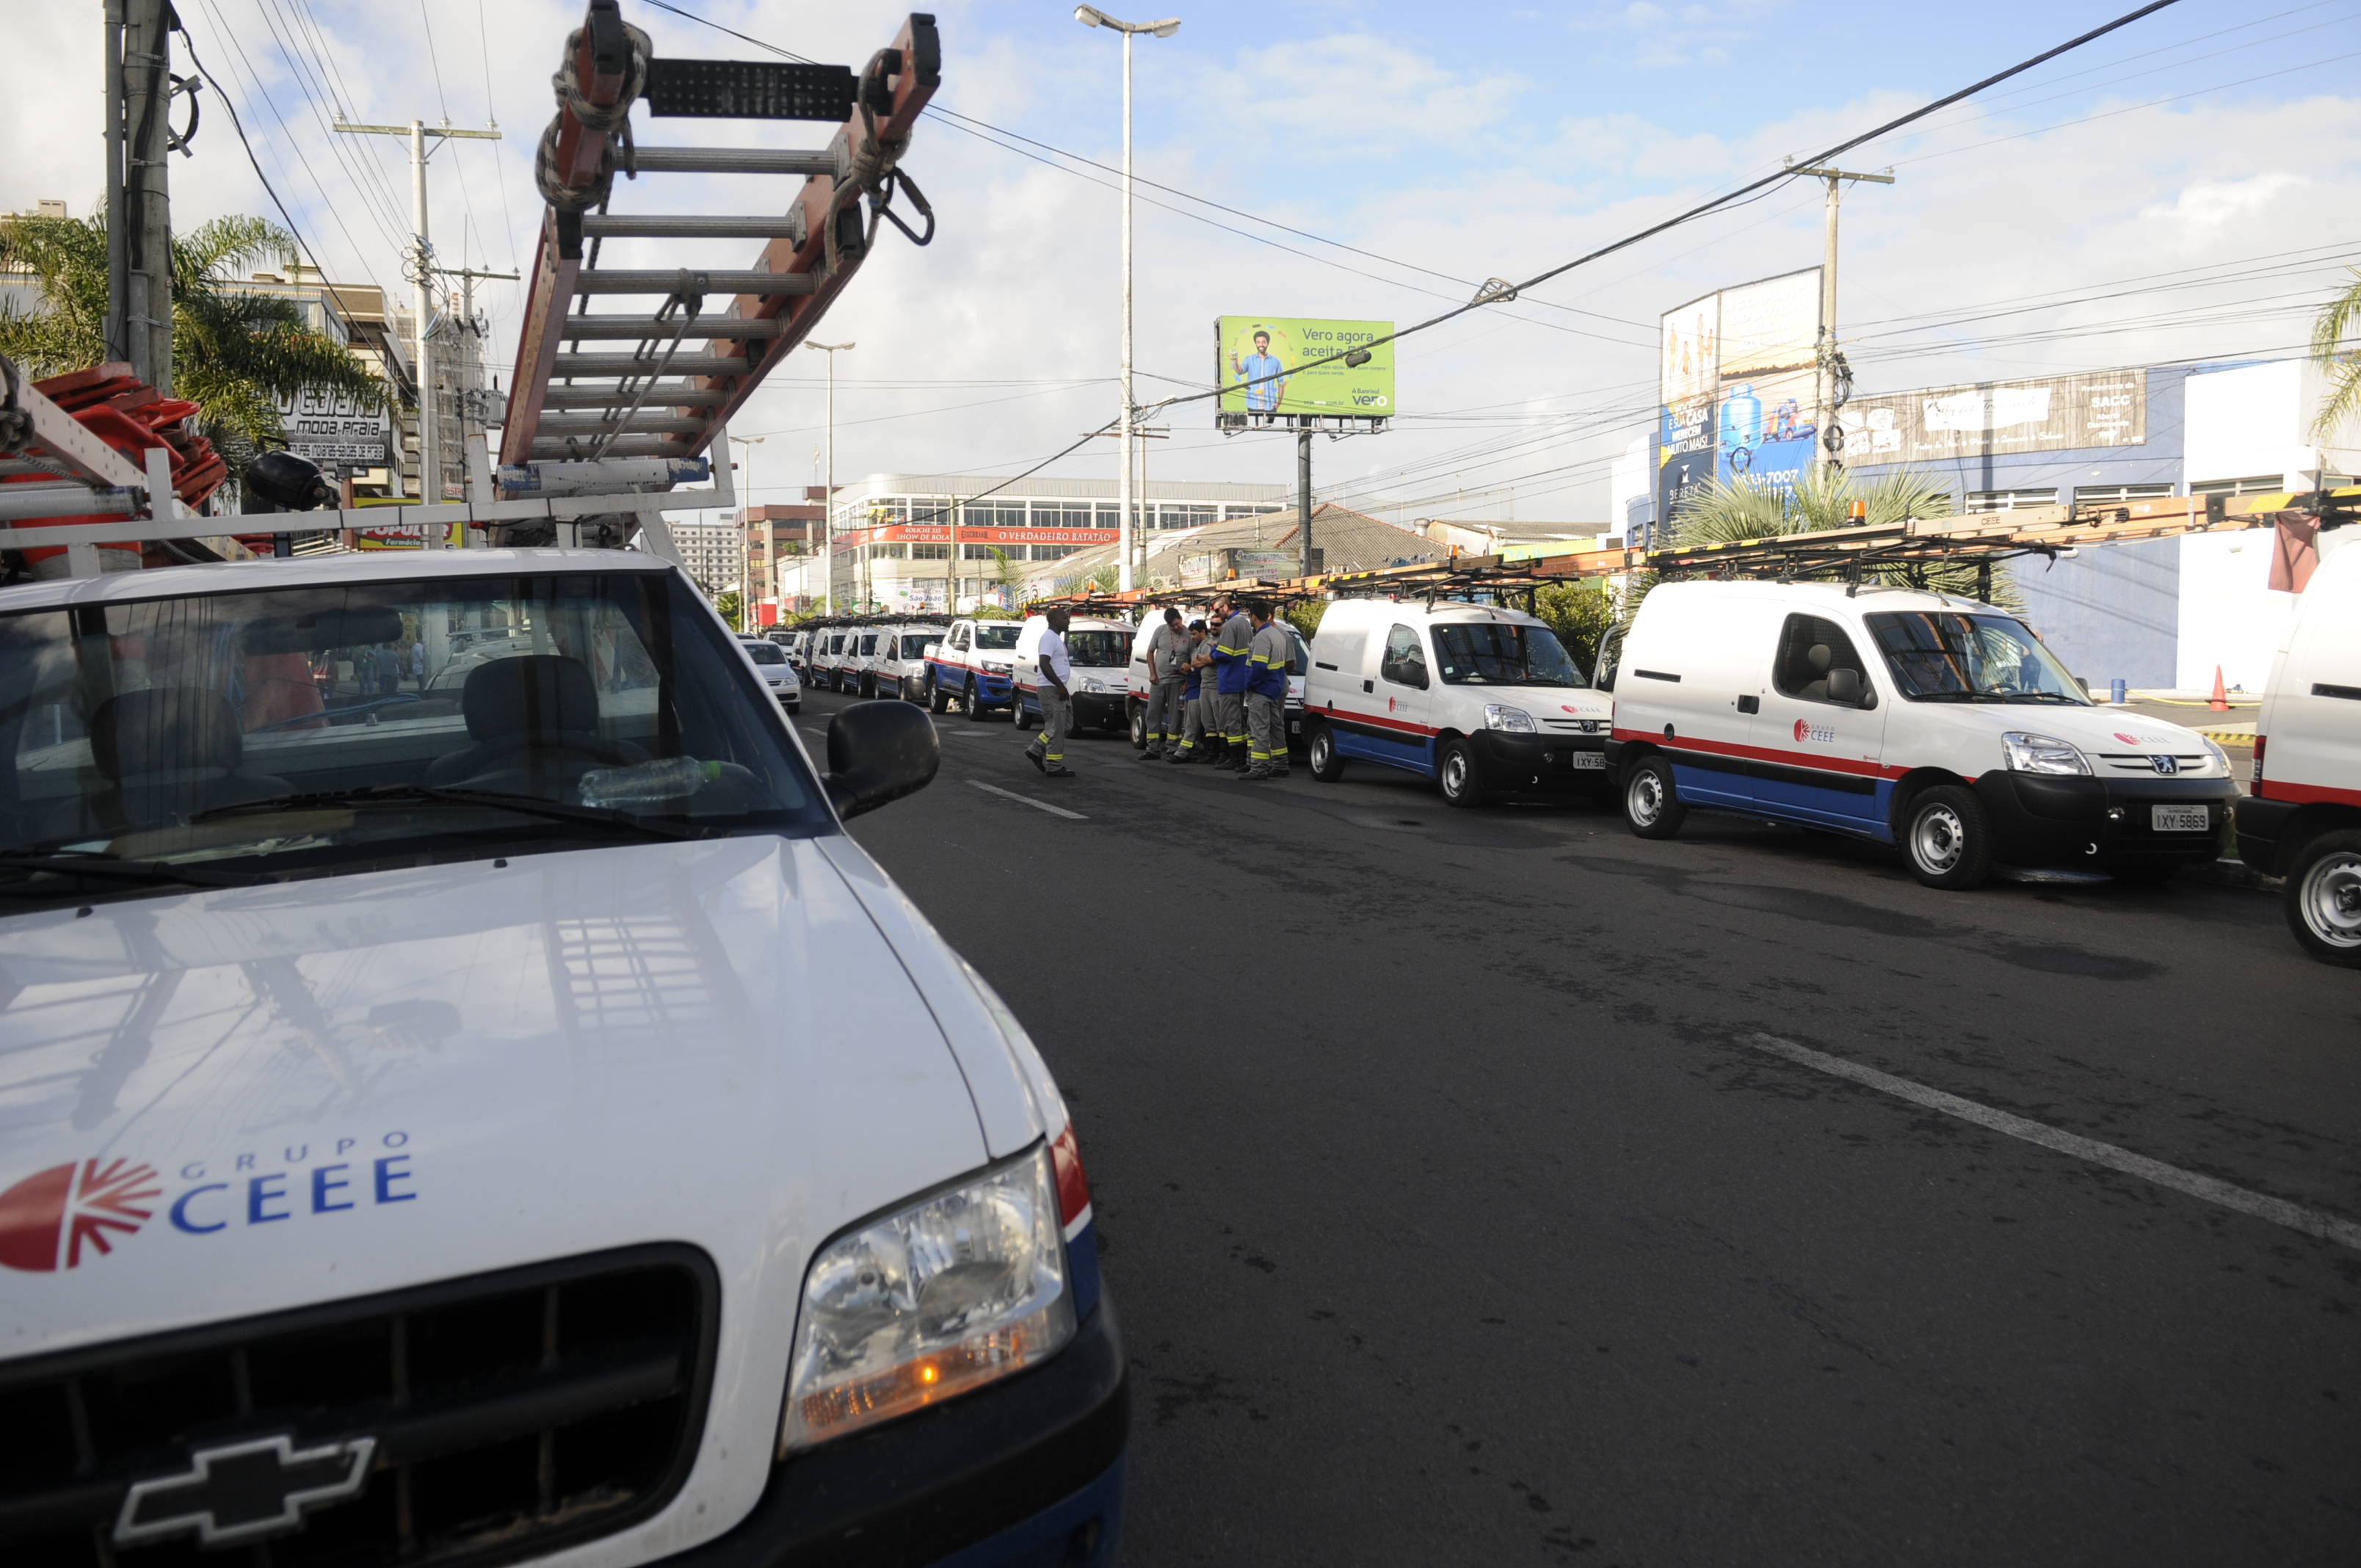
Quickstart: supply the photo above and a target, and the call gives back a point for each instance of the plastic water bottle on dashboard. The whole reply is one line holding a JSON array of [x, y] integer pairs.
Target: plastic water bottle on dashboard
[[647, 783]]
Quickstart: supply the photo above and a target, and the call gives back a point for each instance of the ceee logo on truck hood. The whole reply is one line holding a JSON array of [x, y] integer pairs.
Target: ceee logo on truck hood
[[46, 1218]]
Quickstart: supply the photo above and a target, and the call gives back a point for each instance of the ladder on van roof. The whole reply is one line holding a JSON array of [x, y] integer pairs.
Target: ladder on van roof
[[650, 383]]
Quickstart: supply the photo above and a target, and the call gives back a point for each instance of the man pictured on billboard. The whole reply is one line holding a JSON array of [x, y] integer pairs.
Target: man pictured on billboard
[[1263, 397]]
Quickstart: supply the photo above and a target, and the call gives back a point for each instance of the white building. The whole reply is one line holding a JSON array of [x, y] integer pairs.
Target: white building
[[709, 550]]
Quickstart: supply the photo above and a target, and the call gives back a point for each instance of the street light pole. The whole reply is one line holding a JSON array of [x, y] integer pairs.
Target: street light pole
[[746, 505], [827, 501], [1091, 16]]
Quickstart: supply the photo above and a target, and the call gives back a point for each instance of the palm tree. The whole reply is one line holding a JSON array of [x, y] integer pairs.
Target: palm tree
[[235, 354], [1725, 512], [2339, 320]]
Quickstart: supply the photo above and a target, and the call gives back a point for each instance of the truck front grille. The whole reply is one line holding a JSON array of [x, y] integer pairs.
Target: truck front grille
[[469, 1422]]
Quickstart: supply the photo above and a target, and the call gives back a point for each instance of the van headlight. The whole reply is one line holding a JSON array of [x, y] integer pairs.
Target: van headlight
[[1090, 684], [994, 667], [1501, 716], [951, 1293], [2221, 758], [2029, 753]]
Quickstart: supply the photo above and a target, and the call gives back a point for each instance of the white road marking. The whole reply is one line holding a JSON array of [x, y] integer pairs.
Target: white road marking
[[2279, 1211], [1029, 800]]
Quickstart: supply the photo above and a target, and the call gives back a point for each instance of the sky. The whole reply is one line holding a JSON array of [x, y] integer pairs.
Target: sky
[[2188, 188]]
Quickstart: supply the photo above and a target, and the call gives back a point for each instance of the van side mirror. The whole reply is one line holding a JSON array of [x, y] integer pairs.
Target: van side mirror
[[879, 752], [1844, 686]]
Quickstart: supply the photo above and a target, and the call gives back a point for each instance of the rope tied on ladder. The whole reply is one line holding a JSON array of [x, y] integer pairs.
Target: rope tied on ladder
[[566, 85]]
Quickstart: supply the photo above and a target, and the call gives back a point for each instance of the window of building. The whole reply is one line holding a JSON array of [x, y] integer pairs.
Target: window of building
[[1236, 511], [1109, 515], [979, 552], [882, 511], [993, 514], [1169, 515], [930, 552], [1062, 514], [889, 553], [2105, 495], [2010, 500], [2252, 485], [1051, 552]]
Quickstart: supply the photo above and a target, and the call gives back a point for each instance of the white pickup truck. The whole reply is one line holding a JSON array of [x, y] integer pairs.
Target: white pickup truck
[[507, 1121]]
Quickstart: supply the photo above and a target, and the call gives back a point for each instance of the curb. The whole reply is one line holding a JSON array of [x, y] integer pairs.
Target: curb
[[2233, 873], [2230, 737]]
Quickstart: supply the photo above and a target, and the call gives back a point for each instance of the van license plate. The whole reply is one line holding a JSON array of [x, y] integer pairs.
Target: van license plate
[[2179, 818], [1592, 761]]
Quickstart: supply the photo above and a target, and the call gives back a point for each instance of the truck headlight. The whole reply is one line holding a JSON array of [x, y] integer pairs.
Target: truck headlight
[[1501, 716], [2029, 753], [950, 1294], [992, 667]]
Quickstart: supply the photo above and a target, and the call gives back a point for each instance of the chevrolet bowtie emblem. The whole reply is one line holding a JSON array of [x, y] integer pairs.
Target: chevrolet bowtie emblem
[[243, 1491]]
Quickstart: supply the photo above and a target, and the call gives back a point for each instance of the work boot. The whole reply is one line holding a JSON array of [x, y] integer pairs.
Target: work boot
[[1255, 774], [1033, 753], [1151, 753], [1179, 754], [1060, 772], [1228, 760]]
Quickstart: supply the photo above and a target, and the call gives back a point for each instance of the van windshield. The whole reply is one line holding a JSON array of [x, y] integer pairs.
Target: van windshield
[[1098, 649], [1503, 654], [996, 634], [914, 644], [230, 738], [1953, 657]]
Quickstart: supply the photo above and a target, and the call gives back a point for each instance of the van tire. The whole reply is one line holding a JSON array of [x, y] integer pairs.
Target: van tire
[[938, 699], [1945, 840], [1137, 710], [1458, 775], [2323, 898], [1016, 707], [1652, 806], [1326, 765]]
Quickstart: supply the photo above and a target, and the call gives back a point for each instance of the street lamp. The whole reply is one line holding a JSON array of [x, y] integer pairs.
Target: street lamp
[[745, 589], [1091, 16], [828, 484]]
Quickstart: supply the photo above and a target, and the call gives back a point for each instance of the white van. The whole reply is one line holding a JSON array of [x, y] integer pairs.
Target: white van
[[898, 667], [518, 1128], [1485, 701], [829, 654], [1099, 649], [2303, 820], [1937, 723]]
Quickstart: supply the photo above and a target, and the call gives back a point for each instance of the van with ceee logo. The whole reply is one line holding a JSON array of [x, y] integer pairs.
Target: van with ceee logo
[[2303, 820], [1483, 700], [507, 1120], [1935, 723]]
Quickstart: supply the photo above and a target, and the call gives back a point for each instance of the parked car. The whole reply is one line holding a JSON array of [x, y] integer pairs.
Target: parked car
[[770, 661], [2303, 819], [1098, 649], [536, 1133], [900, 665], [971, 666], [1484, 701], [1917, 720]]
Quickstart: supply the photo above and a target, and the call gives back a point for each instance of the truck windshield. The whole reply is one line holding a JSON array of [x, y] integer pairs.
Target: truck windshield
[[308, 730], [1503, 654], [1098, 649], [1954, 656], [996, 634]]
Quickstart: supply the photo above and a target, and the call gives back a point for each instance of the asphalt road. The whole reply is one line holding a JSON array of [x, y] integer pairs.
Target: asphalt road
[[1458, 1212]]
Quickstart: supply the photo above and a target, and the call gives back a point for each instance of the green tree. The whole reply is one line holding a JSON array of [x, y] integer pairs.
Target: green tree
[[1580, 613], [727, 604], [1727, 512], [1006, 574], [234, 355], [2339, 320]]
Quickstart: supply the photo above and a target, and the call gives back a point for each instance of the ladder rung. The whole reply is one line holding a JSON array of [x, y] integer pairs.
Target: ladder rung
[[634, 329], [621, 446], [640, 424], [578, 365], [729, 160], [658, 226], [608, 281], [666, 395]]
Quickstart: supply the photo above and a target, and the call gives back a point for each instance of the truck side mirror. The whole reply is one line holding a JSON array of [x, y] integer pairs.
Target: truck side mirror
[[1844, 686], [879, 752]]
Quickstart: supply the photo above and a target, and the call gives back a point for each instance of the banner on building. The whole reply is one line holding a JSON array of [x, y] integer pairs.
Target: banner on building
[[1263, 365], [2048, 414], [1735, 386], [332, 430]]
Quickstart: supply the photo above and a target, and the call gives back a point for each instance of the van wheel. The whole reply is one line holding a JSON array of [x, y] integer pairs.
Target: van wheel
[[1457, 775], [2323, 898], [938, 699], [1138, 725], [1652, 809], [1016, 708], [1947, 841], [1326, 765]]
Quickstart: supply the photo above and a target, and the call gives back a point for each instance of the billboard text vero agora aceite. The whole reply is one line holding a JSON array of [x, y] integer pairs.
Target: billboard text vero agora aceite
[[1266, 364]]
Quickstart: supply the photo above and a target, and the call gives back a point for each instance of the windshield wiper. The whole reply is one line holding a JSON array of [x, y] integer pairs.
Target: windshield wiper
[[390, 795], [85, 863], [2041, 696]]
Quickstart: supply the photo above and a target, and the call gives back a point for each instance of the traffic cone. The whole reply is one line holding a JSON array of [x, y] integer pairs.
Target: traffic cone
[[2221, 703]]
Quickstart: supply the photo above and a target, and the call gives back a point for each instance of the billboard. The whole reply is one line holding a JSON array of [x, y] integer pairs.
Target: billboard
[[1736, 385], [1267, 351], [333, 431], [2046, 413]]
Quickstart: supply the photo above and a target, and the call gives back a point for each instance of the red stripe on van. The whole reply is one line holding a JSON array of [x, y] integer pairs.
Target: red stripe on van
[[1381, 721], [1820, 760], [2305, 795]]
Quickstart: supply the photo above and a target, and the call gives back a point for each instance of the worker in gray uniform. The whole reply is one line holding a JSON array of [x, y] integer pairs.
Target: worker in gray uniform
[[1233, 647], [1161, 725], [1270, 654], [1194, 747]]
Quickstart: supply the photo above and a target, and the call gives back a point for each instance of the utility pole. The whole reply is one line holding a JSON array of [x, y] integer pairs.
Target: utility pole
[[467, 406], [421, 269], [746, 505], [1091, 16], [1831, 446], [827, 506], [139, 56], [1303, 494]]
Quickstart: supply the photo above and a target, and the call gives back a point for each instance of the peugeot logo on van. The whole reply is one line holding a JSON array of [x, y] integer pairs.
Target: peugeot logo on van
[[2166, 764]]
